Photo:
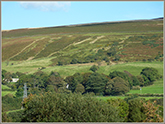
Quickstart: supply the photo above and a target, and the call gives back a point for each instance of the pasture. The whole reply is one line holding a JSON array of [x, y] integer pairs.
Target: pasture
[[66, 70]]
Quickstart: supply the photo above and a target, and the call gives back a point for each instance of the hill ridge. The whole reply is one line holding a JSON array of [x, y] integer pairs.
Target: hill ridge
[[87, 24]]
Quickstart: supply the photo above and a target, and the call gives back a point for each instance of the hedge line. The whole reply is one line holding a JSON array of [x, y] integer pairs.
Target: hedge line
[[146, 95]]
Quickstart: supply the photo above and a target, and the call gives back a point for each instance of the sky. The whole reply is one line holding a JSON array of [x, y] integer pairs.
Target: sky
[[16, 15]]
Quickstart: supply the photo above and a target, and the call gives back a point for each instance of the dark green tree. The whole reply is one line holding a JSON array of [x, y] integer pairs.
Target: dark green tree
[[94, 68], [135, 81], [96, 83], [116, 86], [151, 73], [3, 73], [122, 75]]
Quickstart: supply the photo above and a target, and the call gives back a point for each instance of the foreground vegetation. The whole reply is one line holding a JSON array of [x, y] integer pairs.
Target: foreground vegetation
[[53, 107]]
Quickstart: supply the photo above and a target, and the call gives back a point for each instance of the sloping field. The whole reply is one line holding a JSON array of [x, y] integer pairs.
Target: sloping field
[[133, 41]]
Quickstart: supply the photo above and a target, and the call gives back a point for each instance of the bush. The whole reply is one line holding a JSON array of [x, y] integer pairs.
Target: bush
[[11, 103], [136, 88], [15, 116], [68, 108], [94, 68]]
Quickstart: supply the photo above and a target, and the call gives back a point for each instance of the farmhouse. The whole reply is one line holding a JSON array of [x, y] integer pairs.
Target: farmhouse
[[12, 80], [15, 80]]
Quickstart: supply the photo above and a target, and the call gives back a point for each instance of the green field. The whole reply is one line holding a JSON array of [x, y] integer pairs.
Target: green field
[[134, 68], [32, 66], [6, 88], [157, 87], [3, 93]]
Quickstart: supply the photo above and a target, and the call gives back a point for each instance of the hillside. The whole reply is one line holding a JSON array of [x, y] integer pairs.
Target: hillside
[[107, 42]]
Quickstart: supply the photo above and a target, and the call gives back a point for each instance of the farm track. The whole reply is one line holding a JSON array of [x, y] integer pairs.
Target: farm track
[[50, 41], [69, 46], [96, 39], [82, 41], [27, 47]]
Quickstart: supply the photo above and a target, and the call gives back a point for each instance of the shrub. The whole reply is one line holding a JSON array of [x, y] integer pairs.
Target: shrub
[[151, 112], [15, 116], [11, 103], [68, 108], [94, 68], [136, 88], [112, 51]]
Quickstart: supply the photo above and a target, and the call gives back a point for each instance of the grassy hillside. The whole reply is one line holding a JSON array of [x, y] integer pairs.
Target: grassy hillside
[[133, 41]]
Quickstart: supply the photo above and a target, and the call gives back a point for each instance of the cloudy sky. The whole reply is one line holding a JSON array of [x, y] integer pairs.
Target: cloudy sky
[[16, 15]]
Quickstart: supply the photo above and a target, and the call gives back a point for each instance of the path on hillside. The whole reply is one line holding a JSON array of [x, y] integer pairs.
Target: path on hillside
[[96, 39], [69, 46], [26, 47], [82, 41]]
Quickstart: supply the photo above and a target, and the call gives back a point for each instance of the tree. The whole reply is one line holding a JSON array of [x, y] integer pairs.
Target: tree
[[7, 77], [141, 80], [56, 81], [19, 74], [150, 73], [72, 83], [80, 88], [122, 75], [96, 83], [59, 107], [19, 92], [3, 73], [116, 86], [94, 68], [51, 88], [135, 81], [136, 110]]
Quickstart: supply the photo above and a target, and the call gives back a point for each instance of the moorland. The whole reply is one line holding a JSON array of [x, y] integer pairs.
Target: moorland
[[116, 65]]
